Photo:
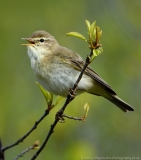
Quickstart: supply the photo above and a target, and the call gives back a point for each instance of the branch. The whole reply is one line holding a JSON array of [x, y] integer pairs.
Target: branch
[[74, 118]]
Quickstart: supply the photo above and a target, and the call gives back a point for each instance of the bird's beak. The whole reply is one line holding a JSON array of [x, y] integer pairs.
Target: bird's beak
[[30, 40]]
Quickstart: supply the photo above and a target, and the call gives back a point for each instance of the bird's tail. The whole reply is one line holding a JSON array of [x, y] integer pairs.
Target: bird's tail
[[119, 103]]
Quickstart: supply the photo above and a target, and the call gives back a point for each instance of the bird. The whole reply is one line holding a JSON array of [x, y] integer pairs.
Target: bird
[[57, 68]]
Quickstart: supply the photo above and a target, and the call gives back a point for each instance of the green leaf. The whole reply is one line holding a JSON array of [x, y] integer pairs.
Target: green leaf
[[99, 34], [58, 100], [100, 50], [98, 29], [86, 108], [94, 53], [48, 96], [97, 51], [93, 30], [93, 56], [76, 34], [88, 25]]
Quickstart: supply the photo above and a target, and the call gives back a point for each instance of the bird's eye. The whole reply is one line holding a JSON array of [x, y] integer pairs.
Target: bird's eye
[[42, 40]]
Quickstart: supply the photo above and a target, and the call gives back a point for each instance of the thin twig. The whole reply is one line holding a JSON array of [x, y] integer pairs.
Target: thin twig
[[74, 118], [35, 145], [70, 97], [46, 140], [31, 130]]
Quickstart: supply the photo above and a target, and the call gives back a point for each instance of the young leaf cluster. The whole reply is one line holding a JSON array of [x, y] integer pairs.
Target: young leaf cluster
[[94, 35]]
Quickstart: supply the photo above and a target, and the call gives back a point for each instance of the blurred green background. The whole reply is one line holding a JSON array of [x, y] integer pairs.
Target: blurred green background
[[107, 130]]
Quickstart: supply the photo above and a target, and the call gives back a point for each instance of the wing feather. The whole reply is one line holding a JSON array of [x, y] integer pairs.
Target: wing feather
[[90, 72]]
